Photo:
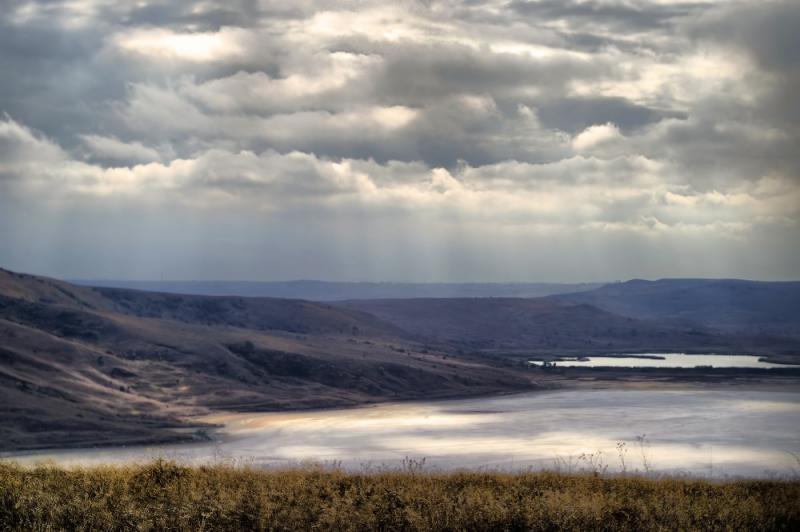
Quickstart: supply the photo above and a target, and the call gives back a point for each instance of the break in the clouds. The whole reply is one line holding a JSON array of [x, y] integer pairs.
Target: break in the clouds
[[428, 140]]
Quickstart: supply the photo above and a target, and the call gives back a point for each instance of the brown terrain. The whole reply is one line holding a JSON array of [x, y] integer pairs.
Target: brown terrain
[[82, 365], [100, 366]]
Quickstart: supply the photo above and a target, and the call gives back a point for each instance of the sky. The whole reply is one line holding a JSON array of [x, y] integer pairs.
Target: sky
[[550, 140]]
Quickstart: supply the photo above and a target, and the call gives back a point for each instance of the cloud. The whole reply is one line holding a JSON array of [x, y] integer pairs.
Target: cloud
[[571, 192], [634, 16], [114, 149], [596, 135], [576, 114], [766, 34], [21, 151], [190, 46], [624, 137]]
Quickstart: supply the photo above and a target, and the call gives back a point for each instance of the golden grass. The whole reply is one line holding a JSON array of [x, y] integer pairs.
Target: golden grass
[[166, 496]]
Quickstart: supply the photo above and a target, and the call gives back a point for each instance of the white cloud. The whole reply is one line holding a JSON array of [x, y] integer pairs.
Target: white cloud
[[195, 46], [321, 87], [596, 135], [21, 151]]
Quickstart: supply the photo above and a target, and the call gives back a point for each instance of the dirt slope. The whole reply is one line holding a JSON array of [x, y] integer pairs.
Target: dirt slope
[[85, 366]]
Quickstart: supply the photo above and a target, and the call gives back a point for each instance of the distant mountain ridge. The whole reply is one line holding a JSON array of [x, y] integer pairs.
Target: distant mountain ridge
[[339, 291], [710, 302], [553, 324]]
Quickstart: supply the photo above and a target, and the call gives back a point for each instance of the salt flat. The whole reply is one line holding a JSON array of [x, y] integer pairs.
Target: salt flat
[[704, 433]]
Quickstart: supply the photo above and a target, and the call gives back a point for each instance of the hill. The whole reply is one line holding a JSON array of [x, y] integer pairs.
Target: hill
[[82, 365], [286, 315], [547, 325], [729, 303]]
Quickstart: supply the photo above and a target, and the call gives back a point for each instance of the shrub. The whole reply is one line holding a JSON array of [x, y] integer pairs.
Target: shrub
[[166, 496]]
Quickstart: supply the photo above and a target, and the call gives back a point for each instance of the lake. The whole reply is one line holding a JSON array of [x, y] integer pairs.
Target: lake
[[669, 360], [705, 433]]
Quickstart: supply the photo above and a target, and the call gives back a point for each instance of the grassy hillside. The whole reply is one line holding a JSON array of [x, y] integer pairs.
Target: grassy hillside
[[164, 496], [83, 366], [263, 314]]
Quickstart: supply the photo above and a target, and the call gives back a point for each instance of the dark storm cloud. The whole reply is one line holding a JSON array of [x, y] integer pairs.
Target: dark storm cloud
[[576, 114], [768, 33], [45, 81], [767, 30], [417, 74], [619, 16], [199, 15]]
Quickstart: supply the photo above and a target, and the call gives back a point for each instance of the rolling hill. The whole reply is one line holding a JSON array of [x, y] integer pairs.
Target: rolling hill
[[82, 365], [543, 325], [729, 303]]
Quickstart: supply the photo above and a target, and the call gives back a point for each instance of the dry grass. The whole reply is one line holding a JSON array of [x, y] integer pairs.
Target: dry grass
[[165, 496]]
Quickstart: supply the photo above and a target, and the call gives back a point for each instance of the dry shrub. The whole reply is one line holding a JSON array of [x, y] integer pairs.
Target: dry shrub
[[166, 496]]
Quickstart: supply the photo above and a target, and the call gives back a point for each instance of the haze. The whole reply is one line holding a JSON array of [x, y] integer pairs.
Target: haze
[[412, 141]]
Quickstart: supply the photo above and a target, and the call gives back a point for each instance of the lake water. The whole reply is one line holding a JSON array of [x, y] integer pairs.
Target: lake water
[[670, 360], [707, 433]]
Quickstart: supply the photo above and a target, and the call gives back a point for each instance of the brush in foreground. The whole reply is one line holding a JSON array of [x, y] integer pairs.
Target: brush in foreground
[[166, 496]]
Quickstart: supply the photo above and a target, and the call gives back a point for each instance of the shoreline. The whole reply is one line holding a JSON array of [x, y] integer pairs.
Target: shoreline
[[210, 428]]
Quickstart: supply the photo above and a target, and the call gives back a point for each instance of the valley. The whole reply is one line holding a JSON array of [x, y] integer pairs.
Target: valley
[[93, 366]]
